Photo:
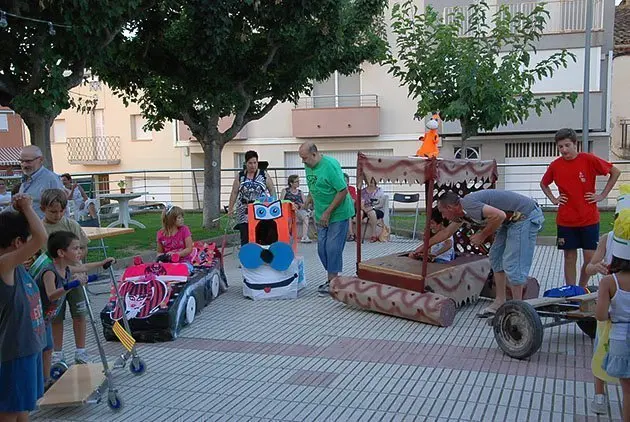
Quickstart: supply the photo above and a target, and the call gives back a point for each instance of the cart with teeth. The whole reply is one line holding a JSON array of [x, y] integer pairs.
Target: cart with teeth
[[424, 291]]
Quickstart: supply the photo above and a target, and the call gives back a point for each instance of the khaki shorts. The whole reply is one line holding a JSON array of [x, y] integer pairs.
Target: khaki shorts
[[76, 301]]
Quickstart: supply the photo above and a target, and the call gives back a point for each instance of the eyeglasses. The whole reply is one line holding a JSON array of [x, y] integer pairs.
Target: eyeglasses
[[24, 160]]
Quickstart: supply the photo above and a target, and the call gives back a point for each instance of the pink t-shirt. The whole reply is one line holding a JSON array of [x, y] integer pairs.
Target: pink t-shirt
[[174, 243]]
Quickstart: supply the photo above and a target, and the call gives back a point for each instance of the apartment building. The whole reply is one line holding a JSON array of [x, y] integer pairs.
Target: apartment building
[[367, 111], [11, 141], [621, 83]]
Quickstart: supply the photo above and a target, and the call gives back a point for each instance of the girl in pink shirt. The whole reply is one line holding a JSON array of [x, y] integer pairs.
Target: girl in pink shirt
[[175, 237]]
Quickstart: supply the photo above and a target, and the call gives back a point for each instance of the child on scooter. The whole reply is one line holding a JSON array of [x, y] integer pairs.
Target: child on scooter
[[175, 238], [55, 280], [22, 332]]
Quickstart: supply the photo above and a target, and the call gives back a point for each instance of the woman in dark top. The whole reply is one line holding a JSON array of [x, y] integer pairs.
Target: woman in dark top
[[250, 185]]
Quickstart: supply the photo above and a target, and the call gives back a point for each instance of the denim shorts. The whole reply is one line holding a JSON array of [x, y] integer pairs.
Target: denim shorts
[[330, 243], [513, 247], [617, 360]]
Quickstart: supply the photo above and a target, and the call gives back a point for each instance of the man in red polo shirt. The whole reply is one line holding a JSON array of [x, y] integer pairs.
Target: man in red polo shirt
[[578, 217]]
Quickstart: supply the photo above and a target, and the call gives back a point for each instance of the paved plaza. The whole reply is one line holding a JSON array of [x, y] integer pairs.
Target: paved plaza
[[316, 359]]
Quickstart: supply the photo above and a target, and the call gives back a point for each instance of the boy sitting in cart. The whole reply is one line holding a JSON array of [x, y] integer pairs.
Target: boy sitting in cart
[[441, 252], [55, 280]]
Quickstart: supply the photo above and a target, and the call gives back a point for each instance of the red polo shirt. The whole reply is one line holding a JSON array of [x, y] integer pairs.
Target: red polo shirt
[[575, 178]]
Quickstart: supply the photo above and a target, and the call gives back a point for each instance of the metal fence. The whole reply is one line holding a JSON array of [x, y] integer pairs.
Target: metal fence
[[564, 16], [185, 187]]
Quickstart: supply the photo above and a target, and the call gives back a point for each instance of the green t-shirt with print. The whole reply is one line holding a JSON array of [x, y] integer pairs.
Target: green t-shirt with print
[[324, 181], [66, 224]]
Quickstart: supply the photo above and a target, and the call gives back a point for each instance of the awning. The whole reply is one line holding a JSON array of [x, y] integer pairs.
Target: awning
[[10, 156]]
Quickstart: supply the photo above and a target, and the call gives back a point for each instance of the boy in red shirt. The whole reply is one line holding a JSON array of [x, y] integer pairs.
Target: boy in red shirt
[[578, 217]]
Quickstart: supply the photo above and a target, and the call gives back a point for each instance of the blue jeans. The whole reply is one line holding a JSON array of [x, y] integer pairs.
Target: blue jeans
[[513, 247], [330, 243]]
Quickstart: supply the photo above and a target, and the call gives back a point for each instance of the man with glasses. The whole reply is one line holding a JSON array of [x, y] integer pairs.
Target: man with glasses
[[35, 177]]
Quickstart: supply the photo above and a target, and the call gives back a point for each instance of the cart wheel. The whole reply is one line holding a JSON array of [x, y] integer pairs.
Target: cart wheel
[[588, 326], [518, 329], [57, 370], [114, 402], [137, 366], [191, 310], [109, 335], [215, 284]]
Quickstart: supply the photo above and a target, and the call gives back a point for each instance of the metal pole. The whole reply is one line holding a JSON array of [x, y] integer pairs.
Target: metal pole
[[587, 75]]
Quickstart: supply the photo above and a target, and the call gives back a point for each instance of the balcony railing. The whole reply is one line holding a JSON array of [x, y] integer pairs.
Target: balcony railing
[[565, 16], [625, 133], [94, 150], [336, 101]]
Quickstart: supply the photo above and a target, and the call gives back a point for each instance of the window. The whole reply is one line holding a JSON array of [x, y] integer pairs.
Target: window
[[137, 128], [472, 153], [239, 160], [337, 91], [4, 122], [58, 131]]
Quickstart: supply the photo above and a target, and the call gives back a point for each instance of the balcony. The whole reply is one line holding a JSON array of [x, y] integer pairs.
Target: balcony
[[566, 16], [184, 133], [336, 116], [94, 150]]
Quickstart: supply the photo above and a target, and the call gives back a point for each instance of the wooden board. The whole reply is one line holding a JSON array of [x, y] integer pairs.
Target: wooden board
[[74, 387], [545, 301], [94, 233], [400, 263], [460, 280]]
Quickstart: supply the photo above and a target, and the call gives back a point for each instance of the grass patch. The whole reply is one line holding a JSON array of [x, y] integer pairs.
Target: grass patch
[[405, 222], [145, 239]]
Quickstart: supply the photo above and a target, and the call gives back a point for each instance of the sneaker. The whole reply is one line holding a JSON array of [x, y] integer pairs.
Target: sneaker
[[306, 240], [57, 357], [81, 358], [49, 383], [324, 289], [599, 405]]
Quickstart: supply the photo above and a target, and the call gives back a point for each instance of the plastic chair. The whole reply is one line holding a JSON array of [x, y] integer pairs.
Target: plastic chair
[[404, 198]]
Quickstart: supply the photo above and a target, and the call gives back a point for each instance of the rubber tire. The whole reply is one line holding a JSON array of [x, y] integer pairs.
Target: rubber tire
[[109, 335], [190, 310], [518, 342], [589, 325], [137, 366], [215, 284], [58, 369], [114, 402]]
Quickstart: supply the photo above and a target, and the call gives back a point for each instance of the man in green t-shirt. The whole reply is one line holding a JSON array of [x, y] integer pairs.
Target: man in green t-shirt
[[333, 208]]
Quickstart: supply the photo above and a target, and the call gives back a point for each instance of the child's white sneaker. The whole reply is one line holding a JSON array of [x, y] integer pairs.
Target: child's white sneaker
[[57, 357], [598, 405], [81, 357]]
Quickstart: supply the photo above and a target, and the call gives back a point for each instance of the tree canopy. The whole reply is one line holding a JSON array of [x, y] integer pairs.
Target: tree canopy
[[46, 46], [474, 66], [202, 60]]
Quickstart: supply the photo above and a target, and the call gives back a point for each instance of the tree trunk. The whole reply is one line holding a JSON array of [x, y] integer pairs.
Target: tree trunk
[[39, 128], [212, 182]]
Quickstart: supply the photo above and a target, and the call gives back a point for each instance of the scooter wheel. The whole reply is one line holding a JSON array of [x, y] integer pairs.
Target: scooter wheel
[[57, 370], [114, 402], [137, 366]]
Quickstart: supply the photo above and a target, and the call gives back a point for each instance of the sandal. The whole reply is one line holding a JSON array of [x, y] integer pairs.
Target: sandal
[[487, 312], [351, 238], [373, 239]]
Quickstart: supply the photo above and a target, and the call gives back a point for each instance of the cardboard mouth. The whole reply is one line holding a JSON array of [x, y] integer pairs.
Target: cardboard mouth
[[268, 286]]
